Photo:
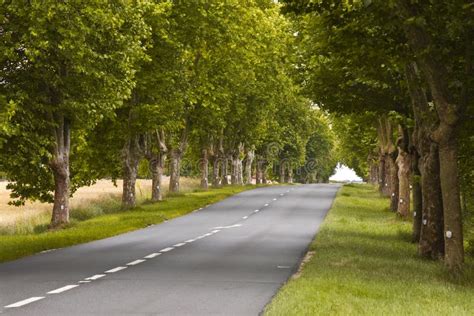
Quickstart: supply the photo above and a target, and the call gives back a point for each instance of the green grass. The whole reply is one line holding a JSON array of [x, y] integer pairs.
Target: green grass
[[92, 224], [364, 264]]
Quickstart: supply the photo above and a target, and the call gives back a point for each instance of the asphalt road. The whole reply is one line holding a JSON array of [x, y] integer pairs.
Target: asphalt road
[[229, 258]]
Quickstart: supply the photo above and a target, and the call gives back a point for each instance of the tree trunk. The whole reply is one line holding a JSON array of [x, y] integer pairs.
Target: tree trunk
[[383, 185], [60, 168], [282, 172], [404, 165], [394, 183], [403, 162], [204, 165], [240, 175], [417, 196], [448, 112], [157, 165], [216, 165], [258, 173], [264, 173], [175, 170], [130, 158], [431, 240], [225, 171], [248, 166], [454, 247], [289, 175]]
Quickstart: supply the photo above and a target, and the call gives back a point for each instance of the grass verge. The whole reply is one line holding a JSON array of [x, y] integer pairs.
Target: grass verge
[[107, 225], [364, 264]]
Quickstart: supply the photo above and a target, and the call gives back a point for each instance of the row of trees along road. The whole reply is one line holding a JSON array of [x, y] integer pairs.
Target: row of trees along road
[[93, 89], [397, 75]]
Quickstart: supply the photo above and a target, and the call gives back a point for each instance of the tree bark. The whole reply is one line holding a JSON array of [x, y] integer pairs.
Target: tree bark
[[156, 166], [417, 194], [216, 166], [248, 166], [394, 183], [383, 175], [60, 168], [289, 174], [431, 240], [404, 166], [258, 173], [282, 171], [175, 170], [131, 155], [264, 173], [176, 154], [225, 170], [448, 112], [454, 247], [204, 165]]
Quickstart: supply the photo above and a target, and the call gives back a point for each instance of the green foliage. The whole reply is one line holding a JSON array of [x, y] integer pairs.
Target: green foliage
[[61, 61]]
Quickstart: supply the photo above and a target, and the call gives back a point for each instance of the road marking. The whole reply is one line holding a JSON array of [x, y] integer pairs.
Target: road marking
[[256, 211], [166, 249], [190, 240], [180, 244], [274, 199], [63, 289], [134, 263], [225, 227], [216, 231], [95, 277], [283, 267], [208, 234], [245, 217], [85, 281], [266, 204], [24, 302], [152, 255], [281, 194], [115, 270]]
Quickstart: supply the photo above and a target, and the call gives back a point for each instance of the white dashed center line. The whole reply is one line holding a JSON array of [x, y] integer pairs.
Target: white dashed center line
[[152, 255], [266, 204], [166, 249], [179, 245], [115, 269], [95, 277], [216, 231], [24, 302], [274, 199], [85, 281], [133, 263], [256, 211], [63, 289], [190, 240]]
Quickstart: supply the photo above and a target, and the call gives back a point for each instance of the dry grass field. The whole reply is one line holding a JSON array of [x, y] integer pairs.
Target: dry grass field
[[17, 220]]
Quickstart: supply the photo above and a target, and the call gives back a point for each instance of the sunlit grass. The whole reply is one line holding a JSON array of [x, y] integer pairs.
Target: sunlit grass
[[364, 264], [109, 222], [100, 198]]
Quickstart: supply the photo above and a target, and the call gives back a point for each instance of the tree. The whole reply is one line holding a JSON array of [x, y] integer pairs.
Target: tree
[[65, 67]]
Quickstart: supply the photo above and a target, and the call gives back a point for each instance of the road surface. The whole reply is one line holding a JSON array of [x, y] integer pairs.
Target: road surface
[[229, 258]]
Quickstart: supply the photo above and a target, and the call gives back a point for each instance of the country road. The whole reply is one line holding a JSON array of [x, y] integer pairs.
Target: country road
[[229, 258]]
